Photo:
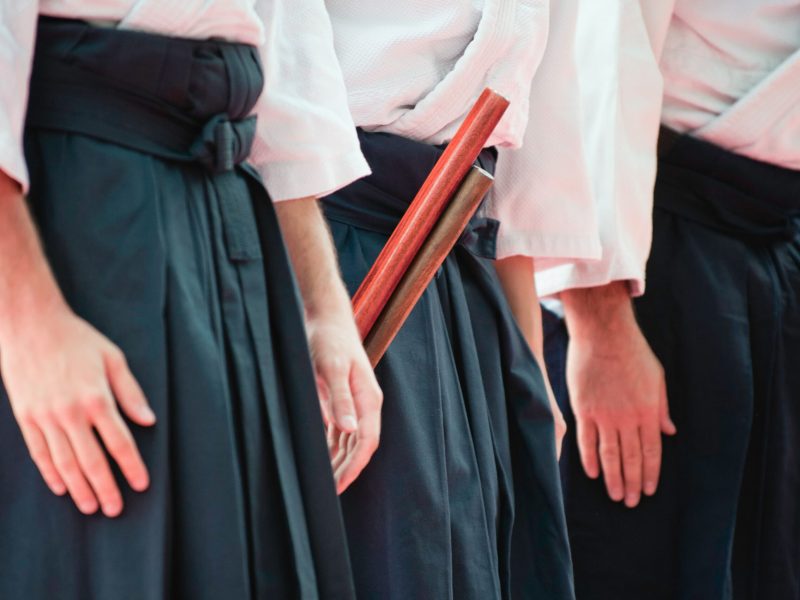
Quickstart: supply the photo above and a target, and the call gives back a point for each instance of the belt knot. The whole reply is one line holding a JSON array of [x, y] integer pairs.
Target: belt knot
[[223, 144]]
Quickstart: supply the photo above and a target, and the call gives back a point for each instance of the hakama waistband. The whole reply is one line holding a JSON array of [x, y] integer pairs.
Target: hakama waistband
[[399, 168], [177, 99], [186, 104], [725, 191]]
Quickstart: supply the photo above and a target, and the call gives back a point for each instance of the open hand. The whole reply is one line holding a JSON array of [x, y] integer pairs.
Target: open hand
[[618, 394], [64, 380], [349, 394]]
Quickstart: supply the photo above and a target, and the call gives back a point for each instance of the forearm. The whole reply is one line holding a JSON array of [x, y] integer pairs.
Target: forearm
[[516, 276], [28, 290], [313, 257]]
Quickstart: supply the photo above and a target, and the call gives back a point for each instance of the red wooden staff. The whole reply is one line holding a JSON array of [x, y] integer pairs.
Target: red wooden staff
[[423, 268], [425, 210]]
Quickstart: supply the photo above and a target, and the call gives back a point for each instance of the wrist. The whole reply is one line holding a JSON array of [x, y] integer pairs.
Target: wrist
[[31, 311], [330, 301], [604, 312]]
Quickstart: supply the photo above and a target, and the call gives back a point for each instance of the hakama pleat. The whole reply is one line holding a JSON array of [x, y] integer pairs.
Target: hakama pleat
[[722, 313], [184, 269], [462, 498]]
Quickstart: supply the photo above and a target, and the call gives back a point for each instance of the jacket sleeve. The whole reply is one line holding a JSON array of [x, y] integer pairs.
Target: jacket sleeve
[[621, 97], [17, 31], [306, 143], [578, 195], [542, 194]]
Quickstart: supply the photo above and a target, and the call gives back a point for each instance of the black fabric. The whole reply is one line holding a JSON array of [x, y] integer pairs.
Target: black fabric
[[372, 203], [169, 248], [462, 498], [722, 312]]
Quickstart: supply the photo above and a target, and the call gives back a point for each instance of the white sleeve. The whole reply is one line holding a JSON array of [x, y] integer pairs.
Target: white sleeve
[[621, 93], [17, 34], [306, 143], [542, 195]]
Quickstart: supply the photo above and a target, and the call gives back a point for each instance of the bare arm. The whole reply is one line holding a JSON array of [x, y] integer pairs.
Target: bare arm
[[58, 406], [349, 393], [617, 391], [516, 275]]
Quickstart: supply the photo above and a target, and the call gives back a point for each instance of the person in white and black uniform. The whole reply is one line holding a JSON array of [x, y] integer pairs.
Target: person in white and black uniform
[[721, 312], [462, 499], [169, 299]]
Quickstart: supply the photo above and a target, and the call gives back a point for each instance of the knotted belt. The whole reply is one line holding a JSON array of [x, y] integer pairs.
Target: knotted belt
[[399, 168], [110, 98], [731, 193]]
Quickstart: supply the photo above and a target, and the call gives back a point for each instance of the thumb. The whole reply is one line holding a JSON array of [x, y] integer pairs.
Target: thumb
[[667, 426], [126, 389], [336, 375]]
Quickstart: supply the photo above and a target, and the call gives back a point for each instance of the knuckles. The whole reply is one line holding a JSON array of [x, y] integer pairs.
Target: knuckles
[[95, 404]]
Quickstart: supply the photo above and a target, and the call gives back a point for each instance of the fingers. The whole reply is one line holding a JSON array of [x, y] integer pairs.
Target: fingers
[[358, 453], [121, 446], [68, 468], [651, 456], [336, 375], [587, 445], [324, 401], [70, 458], [94, 465], [667, 426], [369, 399], [631, 448], [40, 453], [126, 389], [610, 461]]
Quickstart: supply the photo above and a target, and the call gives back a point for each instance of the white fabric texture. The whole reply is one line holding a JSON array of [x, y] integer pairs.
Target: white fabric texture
[[306, 144], [730, 75], [412, 68], [620, 101], [415, 68]]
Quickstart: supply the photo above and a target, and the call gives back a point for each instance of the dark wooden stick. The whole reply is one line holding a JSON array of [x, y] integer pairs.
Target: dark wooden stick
[[424, 266], [425, 210]]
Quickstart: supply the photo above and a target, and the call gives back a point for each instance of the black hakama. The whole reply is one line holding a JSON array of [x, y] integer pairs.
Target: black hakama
[[462, 498], [151, 222], [722, 312]]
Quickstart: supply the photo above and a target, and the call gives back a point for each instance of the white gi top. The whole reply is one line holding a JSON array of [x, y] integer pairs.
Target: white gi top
[[731, 76], [415, 67], [412, 67], [306, 144]]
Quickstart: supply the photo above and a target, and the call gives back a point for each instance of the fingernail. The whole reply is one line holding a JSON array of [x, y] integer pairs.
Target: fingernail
[[146, 414], [649, 488], [112, 509], [349, 423], [88, 508], [140, 484], [58, 489], [631, 500]]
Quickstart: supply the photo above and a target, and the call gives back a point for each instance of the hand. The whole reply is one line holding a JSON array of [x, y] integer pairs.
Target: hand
[[62, 379], [558, 417], [516, 276], [349, 394], [619, 398]]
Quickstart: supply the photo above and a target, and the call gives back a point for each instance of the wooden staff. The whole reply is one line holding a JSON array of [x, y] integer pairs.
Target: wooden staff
[[435, 249], [425, 210]]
